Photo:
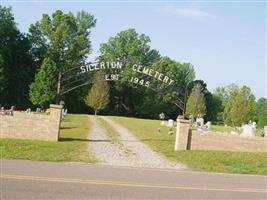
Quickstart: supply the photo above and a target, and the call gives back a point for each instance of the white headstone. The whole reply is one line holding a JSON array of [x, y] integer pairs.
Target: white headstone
[[162, 116], [265, 131], [170, 123], [200, 122], [208, 125], [248, 131]]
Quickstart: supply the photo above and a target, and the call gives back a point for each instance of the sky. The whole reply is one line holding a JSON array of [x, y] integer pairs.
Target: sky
[[225, 41]]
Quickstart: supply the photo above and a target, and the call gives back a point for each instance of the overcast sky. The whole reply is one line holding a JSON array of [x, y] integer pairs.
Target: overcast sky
[[224, 41]]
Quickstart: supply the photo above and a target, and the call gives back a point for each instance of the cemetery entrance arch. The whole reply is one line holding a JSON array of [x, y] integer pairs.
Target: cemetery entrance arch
[[132, 74]]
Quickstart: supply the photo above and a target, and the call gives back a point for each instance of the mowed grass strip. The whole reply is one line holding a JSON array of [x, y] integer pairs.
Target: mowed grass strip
[[213, 161], [72, 144], [111, 132]]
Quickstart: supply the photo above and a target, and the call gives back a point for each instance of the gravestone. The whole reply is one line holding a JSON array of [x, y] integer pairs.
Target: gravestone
[[248, 130], [208, 125], [162, 116], [200, 122], [265, 131], [170, 123], [64, 112]]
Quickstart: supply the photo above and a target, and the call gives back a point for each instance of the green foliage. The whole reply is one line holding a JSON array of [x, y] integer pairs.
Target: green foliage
[[2, 75], [98, 96], [239, 106], [43, 89], [210, 101], [168, 99], [196, 102], [216, 110], [129, 47], [64, 39], [261, 112], [182, 74], [16, 63]]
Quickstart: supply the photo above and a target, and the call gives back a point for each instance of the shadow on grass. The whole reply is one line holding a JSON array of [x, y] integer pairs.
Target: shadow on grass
[[66, 120], [67, 127], [80, 139], [62, 139]]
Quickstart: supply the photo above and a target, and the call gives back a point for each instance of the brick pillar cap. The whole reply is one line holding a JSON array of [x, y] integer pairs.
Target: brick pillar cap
[[56, 106]]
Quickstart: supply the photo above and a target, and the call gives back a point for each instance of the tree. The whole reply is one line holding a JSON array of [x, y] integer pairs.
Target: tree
[[98, 96], [239, 106], [261, 112], [170, 98], [212, 103], [196, 102], [131, 48], [2, 76], [221, 96], [216, 110], [43, 89], [64, 39], [16, 62], [128, 47]]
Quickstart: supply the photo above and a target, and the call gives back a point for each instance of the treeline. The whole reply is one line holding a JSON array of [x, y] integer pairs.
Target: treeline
[[31, 65]]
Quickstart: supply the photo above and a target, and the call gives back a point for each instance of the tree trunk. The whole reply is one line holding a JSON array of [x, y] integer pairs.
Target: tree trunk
[[58, 88], [95, 112]]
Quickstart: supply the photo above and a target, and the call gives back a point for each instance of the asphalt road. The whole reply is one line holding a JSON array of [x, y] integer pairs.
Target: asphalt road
[[46, 180]]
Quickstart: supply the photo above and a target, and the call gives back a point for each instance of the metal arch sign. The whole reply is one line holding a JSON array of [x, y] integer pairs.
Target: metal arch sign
[[137, 74], [135, 68]]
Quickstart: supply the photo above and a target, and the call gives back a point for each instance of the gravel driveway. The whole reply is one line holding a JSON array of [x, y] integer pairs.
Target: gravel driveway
[[130, 151]]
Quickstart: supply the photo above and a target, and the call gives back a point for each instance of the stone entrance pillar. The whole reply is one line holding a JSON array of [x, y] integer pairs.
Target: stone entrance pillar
[[182, 132], [55, 120]]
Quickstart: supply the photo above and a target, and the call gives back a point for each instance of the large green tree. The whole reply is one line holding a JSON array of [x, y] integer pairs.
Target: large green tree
[[170, 99], [131, 48], [238, 103], [43, 90], [16, 63], [64, 39], [128, 47]]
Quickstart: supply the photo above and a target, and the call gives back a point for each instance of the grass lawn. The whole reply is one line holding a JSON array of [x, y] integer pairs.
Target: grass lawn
[[215, 161], [222, 128], [72, 145]]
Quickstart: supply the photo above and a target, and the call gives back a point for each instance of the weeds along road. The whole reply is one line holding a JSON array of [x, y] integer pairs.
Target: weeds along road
[[46, 180]]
